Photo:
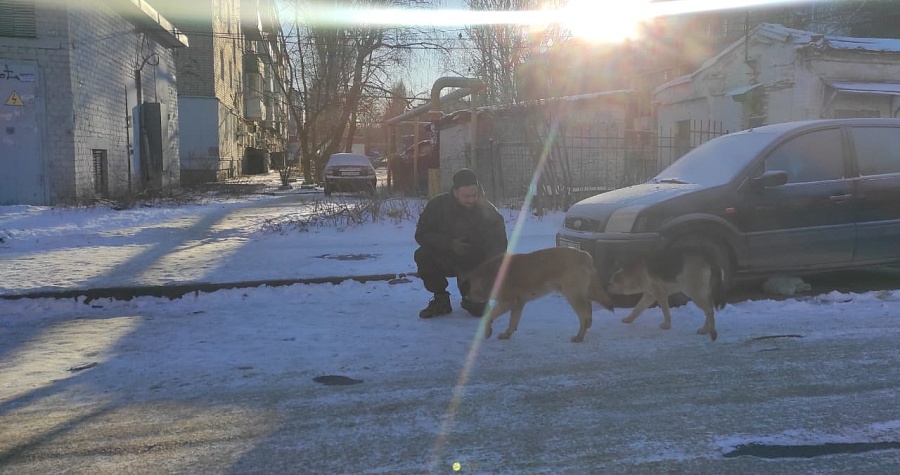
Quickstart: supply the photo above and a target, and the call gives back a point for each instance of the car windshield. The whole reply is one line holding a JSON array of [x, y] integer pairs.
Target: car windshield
[[715, 162], [342, 159]]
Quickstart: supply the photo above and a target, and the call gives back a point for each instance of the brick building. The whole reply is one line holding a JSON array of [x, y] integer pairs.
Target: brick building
[[70, 78], [231, 107]]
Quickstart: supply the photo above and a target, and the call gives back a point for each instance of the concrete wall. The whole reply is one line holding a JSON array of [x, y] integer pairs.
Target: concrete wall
[[199, 139], [454, 149], [509, 142], [86, 59]]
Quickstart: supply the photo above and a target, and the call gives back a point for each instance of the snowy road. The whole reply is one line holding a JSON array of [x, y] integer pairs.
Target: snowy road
[[224, 383]]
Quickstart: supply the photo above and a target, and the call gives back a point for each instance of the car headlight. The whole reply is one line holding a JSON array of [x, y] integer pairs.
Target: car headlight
[[583, 224], [622, 220]]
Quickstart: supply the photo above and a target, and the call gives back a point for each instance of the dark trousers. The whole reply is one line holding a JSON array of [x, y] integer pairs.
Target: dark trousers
[[434, 268]]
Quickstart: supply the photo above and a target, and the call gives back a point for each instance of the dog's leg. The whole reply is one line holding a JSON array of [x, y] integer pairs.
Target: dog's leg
[[582, 307], [498, 309], [700, 292], [514, 316], [646, 301], [709, 327], [663, 299]]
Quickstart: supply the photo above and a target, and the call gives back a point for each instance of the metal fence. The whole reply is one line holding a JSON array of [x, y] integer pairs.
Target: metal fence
[[582, 161]]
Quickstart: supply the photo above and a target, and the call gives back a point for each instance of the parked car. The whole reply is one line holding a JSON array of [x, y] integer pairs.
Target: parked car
[[797, 198], [349, 172]]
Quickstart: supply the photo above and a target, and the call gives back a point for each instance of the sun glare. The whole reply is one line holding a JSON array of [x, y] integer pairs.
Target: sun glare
[[604, 21], [591, 20]]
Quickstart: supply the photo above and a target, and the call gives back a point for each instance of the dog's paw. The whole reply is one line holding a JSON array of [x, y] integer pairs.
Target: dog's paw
[[504, 336], [665, 326], [713, 334], [576, 339], [627, 320], [702, 330]]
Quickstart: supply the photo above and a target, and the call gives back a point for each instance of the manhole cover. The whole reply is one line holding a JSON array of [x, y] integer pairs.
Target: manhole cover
[[767, 451], [336, 380], [775, 337], [348, 257]]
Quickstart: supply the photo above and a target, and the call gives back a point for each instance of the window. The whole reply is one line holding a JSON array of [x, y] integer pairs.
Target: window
[[816, 156], [877, 149], [101, 173], [222, 64], [17, 18]]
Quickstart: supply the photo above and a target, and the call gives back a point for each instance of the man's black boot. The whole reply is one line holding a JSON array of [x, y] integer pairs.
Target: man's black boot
[[439, 305]]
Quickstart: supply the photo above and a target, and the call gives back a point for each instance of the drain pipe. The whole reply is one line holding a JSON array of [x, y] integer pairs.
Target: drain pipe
[[473, 85]]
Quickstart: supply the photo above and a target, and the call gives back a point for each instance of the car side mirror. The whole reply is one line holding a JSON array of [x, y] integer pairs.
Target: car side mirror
[[769, 179]]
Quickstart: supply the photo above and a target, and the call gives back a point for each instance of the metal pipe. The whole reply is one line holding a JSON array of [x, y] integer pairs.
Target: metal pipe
[[440, 83], [450, 96], [473, 84]]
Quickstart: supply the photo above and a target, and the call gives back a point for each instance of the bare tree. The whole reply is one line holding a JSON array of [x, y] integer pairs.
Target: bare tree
[[497, 51], [334, 70]]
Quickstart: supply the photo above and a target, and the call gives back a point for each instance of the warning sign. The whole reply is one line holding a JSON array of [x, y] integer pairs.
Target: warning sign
[[14, 100]]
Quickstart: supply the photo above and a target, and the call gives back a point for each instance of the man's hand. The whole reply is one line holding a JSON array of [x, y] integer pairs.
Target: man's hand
[[460, 246]]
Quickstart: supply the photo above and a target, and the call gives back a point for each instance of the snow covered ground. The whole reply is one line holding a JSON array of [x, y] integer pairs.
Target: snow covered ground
[[225, 382]]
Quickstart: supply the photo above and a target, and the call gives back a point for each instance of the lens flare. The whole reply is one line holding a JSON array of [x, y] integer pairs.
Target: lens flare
[[462, 381]]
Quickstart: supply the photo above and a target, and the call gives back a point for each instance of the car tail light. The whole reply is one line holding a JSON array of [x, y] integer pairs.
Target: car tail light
[[329, 171]]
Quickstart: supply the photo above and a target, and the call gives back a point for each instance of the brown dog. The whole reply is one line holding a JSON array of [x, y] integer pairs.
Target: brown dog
[[515, 279], [664, 274]]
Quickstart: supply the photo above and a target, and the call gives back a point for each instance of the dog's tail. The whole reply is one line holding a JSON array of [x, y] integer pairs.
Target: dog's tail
[[717, 286], [598, 293]]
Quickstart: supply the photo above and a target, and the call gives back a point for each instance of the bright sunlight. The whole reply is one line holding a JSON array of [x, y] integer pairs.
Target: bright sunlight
[[605, 21], [600, 21]]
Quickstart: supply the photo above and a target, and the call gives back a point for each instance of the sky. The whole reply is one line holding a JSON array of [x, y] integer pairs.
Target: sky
[[210, 351]]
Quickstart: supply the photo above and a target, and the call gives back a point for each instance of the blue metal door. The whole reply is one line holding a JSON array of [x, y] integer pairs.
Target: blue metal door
[[21, 162]]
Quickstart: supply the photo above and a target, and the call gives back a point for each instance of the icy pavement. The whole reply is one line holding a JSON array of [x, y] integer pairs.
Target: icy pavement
[[252, 238]]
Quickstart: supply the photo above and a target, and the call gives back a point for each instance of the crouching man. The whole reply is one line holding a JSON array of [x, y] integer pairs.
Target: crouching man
[[456, 231]]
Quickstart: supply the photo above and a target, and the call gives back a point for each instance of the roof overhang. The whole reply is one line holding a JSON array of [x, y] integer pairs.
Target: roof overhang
[[881, 88], [147, 20], [738, 94]]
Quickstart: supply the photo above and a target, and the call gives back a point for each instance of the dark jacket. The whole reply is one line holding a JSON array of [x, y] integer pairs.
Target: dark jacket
[[444, 220]]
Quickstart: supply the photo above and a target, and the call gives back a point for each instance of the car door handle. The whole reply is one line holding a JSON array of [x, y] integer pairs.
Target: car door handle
[[840, 198]]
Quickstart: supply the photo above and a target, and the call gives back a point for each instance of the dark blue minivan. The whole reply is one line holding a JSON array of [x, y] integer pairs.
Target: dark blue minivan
[[797, 197]]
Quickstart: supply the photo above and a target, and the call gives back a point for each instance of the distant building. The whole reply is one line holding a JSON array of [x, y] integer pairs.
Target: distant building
[[233, 110], [779, 74], [71, 76]]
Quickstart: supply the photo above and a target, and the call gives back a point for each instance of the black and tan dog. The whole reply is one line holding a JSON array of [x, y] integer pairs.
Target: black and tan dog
[[666, 273], [512, 280]]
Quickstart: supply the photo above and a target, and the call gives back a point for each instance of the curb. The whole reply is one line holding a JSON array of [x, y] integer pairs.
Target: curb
[[173, 292]]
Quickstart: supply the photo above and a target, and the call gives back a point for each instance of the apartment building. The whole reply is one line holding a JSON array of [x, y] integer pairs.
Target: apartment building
[[232, 108]]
